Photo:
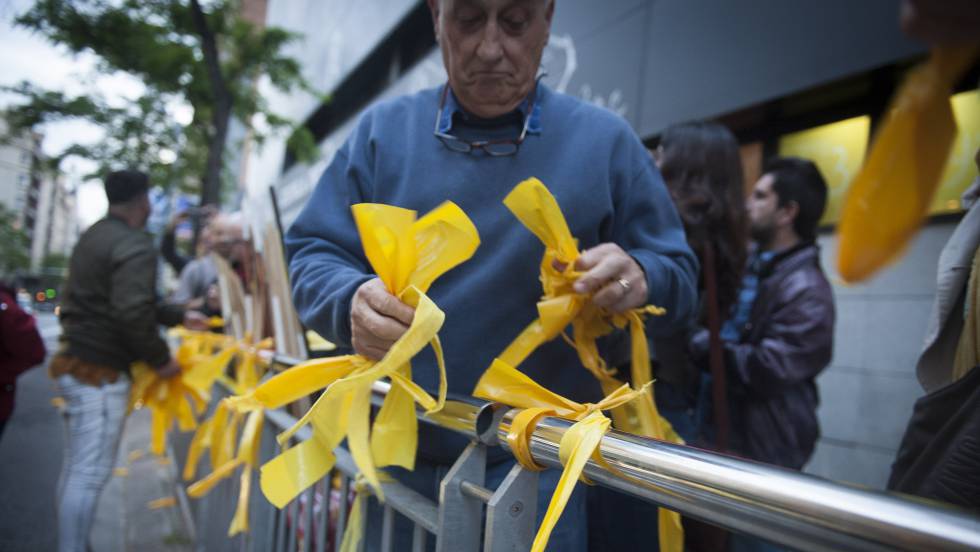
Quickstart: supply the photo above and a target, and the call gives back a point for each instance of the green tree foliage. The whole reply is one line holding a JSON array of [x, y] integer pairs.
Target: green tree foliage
[[206, 56], [15, 253]]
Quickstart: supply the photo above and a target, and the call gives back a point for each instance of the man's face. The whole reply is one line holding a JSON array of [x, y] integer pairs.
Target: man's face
[[492, 49], [763, 208]]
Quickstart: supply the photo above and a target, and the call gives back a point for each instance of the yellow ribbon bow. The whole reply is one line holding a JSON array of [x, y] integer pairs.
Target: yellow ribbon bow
[[178, 398], [502, 383], [890, 196], [537, 209], [407, 255], [561, 306]]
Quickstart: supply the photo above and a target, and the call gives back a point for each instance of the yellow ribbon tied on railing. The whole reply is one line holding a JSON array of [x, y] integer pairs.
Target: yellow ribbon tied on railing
[[226, 461], [561, 306], [178, 398], [218, 432], [503, 383], [407, 255], [891, 195]]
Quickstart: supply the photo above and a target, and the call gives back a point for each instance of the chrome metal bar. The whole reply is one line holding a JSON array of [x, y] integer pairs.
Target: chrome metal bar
[[786, 507], [783, 506], [478, 492], [467, 415]]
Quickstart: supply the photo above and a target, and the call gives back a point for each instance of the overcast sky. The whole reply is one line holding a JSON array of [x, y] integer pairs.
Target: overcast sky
[[25, 56]]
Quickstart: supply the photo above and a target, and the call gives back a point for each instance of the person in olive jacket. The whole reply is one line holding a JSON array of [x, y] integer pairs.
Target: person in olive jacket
[[110, 317], [780, 334]]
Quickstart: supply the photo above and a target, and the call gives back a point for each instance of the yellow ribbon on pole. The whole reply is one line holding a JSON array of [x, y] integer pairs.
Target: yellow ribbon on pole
[[407, 255], [890, 196], [503, 383], [561, 306], [247, 456]]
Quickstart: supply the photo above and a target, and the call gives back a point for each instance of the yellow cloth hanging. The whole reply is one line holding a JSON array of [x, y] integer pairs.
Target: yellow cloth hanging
[[537, 209], [890, 197], [503, 383], [407, 255], [247, 456]]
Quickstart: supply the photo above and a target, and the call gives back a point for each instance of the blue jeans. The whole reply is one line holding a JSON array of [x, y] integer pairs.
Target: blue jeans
[[94, 419], [569, 535]]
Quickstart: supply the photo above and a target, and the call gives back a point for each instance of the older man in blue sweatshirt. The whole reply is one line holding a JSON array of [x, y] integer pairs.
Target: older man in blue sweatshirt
[[471, 141]]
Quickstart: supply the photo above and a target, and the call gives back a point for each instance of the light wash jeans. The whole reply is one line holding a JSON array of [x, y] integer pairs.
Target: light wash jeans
[[94, 419]]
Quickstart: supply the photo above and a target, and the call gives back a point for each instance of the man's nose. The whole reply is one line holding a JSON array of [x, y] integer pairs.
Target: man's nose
[[490, 49]]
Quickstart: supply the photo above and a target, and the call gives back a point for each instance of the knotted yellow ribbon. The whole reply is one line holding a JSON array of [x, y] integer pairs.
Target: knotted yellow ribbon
[[561, 306], [218, 432], [503, 383], [890, 196], [169, 399], [407, 255]]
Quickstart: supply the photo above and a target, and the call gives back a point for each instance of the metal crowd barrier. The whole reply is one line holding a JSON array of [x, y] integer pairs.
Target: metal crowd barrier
[[788, 508]]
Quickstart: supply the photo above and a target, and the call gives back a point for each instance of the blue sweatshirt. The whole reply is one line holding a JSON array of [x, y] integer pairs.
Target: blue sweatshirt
[[598, 170]]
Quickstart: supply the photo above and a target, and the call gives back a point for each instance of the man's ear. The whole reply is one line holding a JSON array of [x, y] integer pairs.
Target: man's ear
[[787, 213], [434, 10]]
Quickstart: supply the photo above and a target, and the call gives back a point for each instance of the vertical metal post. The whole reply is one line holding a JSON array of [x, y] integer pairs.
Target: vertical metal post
[[511, 512], [293, 509], [418, 538], [308, 517], [342, 505], [323, 520], [460, 516], [387, 528]]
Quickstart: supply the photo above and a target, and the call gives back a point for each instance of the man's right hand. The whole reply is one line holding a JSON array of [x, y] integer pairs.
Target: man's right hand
[[168, 369], [377, 319]]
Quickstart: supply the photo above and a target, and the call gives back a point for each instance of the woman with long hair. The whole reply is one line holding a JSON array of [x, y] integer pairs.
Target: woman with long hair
[[702, 168]]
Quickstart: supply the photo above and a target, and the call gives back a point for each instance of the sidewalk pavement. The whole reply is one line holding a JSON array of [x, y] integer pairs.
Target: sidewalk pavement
[[126, 520]]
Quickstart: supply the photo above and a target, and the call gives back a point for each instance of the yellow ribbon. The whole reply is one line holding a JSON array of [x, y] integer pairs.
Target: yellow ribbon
[[502, 383], [407, 255], [537, 209], [890, 196], [226, 461], [169, 400], [218, 432]]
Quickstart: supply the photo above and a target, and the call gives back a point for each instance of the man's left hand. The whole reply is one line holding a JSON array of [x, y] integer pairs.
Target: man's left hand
[[194, 320], [616, 281]]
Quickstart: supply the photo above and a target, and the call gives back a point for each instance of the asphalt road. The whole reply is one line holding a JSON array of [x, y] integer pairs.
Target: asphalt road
[[30, 459]]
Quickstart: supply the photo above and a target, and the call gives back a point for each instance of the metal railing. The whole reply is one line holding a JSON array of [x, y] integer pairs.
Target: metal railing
[[789, 508]]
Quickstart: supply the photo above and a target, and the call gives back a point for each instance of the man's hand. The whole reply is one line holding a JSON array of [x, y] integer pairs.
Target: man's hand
[[617, 281], [168, 369], [194, 320], [377, 319]]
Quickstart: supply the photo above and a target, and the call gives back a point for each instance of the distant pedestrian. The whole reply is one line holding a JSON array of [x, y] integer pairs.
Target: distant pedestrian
[[21, 348], [109, 317]]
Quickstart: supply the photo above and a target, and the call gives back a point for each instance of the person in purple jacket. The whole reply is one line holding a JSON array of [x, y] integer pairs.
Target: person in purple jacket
[[21, 347]]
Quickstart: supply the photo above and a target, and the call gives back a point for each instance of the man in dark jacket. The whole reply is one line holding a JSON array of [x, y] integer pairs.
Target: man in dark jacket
[[109, 317], [780, 334]]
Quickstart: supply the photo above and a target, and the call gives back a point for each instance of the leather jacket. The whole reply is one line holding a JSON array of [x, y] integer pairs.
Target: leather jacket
[[773, 366]]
